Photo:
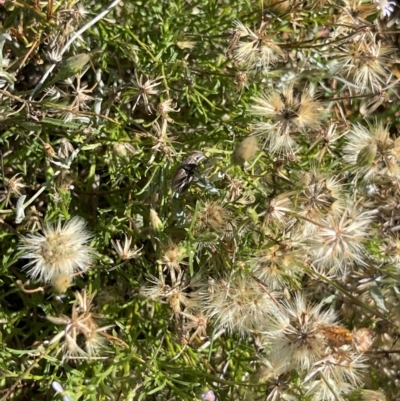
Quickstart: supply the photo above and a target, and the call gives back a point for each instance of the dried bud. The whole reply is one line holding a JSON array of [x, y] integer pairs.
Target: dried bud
[[50, 152], [155, 221], [61, 282], [245, 150], [124, 150]]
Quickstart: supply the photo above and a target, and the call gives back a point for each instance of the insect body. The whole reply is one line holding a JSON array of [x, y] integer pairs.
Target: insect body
[[185, 173]]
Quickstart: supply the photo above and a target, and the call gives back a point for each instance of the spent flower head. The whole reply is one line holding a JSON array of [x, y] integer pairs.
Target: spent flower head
[[289, 113], [278, 264], [354, 13], [339, 240], [294, 332], [182, 295], [245, 150], [213, 216], [197, 322], [258, 50], [14, 187], [60, 249], [80, 326], [372, 151], [142, 89], [124, 251], [365, 62], [238, 304], [166, 107]]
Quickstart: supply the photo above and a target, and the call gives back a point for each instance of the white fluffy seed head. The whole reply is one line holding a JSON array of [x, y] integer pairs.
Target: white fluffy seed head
[[294, 333], [61, 249]]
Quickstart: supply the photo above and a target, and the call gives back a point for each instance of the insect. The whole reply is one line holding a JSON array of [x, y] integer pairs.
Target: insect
[[336, 336], [185, 173]]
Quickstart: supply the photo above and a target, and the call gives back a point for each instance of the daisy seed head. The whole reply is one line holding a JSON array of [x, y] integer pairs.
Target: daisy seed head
[[60, 249]]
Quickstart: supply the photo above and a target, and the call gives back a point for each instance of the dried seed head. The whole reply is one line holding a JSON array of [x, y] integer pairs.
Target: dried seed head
[[60, 249], [372, 151], [288, 113], [213, 216], [366, 62], [142, 89], [65, 149], [241, 80], [172, 256], [166, 107], [257, 50], [367, 155], [295, 335], [239, 305]]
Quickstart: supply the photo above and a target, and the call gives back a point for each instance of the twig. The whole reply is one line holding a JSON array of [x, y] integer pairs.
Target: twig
[[21, 286]]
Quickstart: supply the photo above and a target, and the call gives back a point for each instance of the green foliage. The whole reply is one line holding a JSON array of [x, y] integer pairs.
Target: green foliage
[[274, 276]]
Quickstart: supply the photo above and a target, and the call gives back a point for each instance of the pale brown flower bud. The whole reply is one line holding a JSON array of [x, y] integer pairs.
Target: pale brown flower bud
[[245, 150]]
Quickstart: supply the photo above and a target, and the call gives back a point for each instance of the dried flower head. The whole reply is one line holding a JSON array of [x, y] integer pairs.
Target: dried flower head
[[182, 295], [277, 264], [366, 62], [337, 374], [294, 332], [173, 256], [124, 150], [196, 322], [289, 113], [83, 338], [372, 151], [338, 241], [213, 216], [14, 187], [238, 304], [142, 89], [392, 249], [33, 219], [124, 251], [60, 249], [353, 14], [276, 210], [166, 107], [66, 149], [363, 339], [240, 81], [258, 50], [320, 194]]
